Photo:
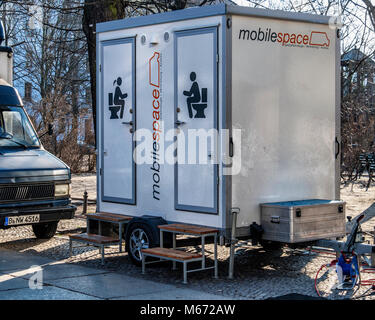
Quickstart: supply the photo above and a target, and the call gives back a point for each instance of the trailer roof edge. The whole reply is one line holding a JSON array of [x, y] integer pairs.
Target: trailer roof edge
[[158, 18], [278, 14], [208, 11]]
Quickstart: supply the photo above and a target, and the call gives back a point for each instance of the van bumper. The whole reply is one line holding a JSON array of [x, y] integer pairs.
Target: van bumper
[[46, 214]]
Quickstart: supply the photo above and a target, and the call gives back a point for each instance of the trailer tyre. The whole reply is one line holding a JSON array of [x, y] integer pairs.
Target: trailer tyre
[[138, 237], [45, 230]]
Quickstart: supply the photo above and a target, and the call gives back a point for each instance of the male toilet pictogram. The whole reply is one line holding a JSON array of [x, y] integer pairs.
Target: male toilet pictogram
[[118, 101], [195, 96]]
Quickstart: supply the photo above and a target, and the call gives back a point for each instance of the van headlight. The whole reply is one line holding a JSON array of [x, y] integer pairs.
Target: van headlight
[[62, 190]]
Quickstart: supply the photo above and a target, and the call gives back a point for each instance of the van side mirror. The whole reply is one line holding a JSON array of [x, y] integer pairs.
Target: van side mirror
[[50, 129], [49, 132]]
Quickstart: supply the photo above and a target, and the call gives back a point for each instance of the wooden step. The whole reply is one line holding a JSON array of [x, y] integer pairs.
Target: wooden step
[[172, 253], [94, 238], [186, 228], [110, 217]]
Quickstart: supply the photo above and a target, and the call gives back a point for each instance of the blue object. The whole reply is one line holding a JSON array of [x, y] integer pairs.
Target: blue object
[[349, 269], [299, 203]]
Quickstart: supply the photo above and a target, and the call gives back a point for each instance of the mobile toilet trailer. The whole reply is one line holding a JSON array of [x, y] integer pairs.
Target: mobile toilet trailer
[[271, 78]]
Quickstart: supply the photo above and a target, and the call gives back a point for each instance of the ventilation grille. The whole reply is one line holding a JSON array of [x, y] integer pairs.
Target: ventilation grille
[[27, 192]]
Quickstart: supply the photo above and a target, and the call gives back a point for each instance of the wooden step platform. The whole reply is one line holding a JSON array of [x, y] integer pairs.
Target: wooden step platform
[[174, 254], [109, 217], [94, 238], [188, 229]]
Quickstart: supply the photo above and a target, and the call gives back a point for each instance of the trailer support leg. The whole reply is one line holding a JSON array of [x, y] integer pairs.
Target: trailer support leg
[[143, 264], [215, 256], [174, 247], [203, 253], [70, 247], [161, 239], [233, 241], [185, 272], [120, 236]]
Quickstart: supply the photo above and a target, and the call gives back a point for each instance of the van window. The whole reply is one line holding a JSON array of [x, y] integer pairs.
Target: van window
[[14, 122]]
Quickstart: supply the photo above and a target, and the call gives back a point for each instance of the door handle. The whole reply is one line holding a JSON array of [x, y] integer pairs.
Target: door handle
[[128, 122], [338, 148], [179, 123], [231, 147]]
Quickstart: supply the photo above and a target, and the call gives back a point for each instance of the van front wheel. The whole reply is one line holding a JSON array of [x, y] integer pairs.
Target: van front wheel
[[45, 230]]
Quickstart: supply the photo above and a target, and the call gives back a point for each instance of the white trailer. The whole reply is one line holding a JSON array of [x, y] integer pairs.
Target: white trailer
[[268, 81]]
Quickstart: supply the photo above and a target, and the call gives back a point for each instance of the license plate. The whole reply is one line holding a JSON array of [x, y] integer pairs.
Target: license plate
[[17, 220]]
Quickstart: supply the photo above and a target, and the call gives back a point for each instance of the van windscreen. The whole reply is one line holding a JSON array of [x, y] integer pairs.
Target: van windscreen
[[16, 129]]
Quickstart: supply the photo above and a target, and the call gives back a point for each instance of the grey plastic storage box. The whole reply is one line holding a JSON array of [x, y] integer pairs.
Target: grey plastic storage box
[[304, 220]]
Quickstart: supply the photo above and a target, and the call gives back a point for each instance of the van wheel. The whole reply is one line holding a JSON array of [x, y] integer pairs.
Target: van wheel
[[138, 237], [45, 230]]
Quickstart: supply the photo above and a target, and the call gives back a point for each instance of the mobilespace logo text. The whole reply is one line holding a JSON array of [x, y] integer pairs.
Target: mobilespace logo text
[[314, 38]]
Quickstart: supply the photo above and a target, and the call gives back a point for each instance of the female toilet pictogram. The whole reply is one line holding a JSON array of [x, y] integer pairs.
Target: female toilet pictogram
[[118, 102]]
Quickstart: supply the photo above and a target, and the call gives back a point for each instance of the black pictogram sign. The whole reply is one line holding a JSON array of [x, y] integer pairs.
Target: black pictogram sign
[[117, 103], [196, 100]]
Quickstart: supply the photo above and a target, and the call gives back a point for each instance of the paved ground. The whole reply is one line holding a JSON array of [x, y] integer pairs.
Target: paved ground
[[30, 277], [258, 274]]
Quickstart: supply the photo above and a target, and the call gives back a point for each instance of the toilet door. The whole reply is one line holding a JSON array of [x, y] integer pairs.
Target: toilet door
[[196, 177], [117, 114]]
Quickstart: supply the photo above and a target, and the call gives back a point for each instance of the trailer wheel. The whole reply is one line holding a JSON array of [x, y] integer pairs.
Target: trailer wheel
[[138, 237], [45, 230]]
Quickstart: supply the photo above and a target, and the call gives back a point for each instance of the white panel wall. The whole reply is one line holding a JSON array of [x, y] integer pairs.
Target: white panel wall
[[283, 100]]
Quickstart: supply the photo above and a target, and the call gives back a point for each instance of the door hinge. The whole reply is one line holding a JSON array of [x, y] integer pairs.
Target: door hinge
[[100, 171], [100, 68], [217, 57], [218, 180]]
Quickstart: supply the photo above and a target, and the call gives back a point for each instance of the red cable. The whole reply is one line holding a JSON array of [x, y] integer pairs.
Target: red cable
[[316, 278], [324, 252], [368, 282]]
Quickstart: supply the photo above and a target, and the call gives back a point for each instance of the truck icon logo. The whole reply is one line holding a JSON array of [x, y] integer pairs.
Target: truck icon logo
[[196, 100], [318, 38], [117, 103]]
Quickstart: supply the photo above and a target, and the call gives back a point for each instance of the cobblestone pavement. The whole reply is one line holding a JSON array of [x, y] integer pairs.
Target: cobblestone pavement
[[258, 274]]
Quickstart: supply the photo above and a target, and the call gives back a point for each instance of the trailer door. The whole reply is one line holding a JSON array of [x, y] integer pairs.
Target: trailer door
[[117, 110], [196, 179]]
